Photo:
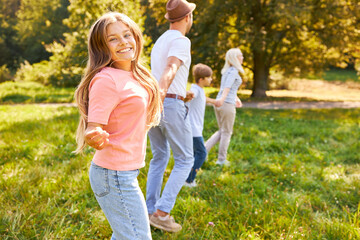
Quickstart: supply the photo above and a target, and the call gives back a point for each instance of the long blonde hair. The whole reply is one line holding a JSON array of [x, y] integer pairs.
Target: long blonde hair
[[100, 57], [232, 60]]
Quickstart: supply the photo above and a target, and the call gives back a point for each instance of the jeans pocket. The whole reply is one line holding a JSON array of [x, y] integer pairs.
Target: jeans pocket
[[99, 180]]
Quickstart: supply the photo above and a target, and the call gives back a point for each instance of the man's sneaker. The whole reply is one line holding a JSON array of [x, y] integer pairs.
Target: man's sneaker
[[225, 162], [168, 225], [190, 185]]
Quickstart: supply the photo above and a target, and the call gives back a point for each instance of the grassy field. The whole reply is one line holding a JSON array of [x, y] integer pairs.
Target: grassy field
[[342, 75], [294, 174], [335, 85], [31, 92], [337, 74]]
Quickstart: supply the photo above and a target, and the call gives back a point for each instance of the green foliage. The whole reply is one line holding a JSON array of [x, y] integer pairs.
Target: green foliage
[[5, 74], [33, 92], [155, 22], [40, 23], [285, 181], [37, 72], [50, 72], [9, 47]]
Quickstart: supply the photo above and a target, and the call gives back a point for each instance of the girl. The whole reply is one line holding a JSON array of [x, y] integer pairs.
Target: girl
[[118, 101], [227, 101]]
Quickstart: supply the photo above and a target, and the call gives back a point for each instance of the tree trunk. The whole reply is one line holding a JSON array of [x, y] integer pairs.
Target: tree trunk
[[261, 74]]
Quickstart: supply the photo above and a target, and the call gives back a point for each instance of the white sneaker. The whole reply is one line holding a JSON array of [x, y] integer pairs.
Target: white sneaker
[[190, 185], [225, 162]]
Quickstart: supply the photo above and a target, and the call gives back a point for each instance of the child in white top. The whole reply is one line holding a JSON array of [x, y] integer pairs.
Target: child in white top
[[202, 75]]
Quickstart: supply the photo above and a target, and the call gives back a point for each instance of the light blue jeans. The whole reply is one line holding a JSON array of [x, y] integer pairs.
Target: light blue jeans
[[119, 196], [174, 131]]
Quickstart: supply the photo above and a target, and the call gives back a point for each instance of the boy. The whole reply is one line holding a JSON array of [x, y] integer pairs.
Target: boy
[[202, 75]]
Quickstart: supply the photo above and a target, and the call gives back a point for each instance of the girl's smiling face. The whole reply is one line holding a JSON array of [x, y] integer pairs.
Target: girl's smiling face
[[122, 45]]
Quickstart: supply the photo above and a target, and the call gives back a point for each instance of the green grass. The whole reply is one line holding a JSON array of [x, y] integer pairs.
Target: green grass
[[338, 74], [31, 92], [294, 174], [342, 75]]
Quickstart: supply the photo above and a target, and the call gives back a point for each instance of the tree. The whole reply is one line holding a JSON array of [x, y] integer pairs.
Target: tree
[[290, 36], [9, 47], [155, 22], [40, 23]]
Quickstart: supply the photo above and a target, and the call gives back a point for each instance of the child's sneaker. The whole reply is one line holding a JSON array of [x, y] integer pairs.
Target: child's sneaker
[[225, 162], [190, 185], [168, 224]]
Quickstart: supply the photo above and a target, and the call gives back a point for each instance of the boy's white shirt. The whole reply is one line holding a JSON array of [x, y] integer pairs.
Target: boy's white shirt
[[197, 110]]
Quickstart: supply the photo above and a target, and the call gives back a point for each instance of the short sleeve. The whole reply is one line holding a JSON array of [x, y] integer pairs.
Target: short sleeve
[[230, 79], [103, 98], [180, 48], [195, 90]]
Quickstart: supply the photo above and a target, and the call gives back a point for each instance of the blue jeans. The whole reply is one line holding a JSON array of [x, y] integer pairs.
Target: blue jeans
[[174, 131], [199, 155], [119, 196]]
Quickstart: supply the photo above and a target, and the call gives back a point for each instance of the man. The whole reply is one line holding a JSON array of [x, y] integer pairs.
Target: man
[[170, 64]]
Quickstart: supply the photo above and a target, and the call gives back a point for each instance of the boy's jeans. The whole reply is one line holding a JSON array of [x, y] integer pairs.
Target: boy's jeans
[[174, 130], [199, 155], [225, 116], [119, 196]]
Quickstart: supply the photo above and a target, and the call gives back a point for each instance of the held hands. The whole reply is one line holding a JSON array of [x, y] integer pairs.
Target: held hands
[[189, 96], [96, 137], [218, 103], [238, 103]]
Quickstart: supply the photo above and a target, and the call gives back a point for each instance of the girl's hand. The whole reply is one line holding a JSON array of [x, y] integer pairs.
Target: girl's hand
[[96, 137]]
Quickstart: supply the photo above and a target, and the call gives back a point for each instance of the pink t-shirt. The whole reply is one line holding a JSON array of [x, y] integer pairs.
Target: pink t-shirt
[[119, 102]]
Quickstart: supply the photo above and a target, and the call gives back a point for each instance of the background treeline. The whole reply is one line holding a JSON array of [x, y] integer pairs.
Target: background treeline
[[45, 41]]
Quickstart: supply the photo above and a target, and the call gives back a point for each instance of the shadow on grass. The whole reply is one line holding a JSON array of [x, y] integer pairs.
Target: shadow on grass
[[50, 139], [15, 98], [22, 98]]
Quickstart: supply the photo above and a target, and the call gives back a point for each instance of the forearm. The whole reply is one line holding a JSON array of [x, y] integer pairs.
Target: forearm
[[166, 80], [168, 75], [210, 100], [224, 95]]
